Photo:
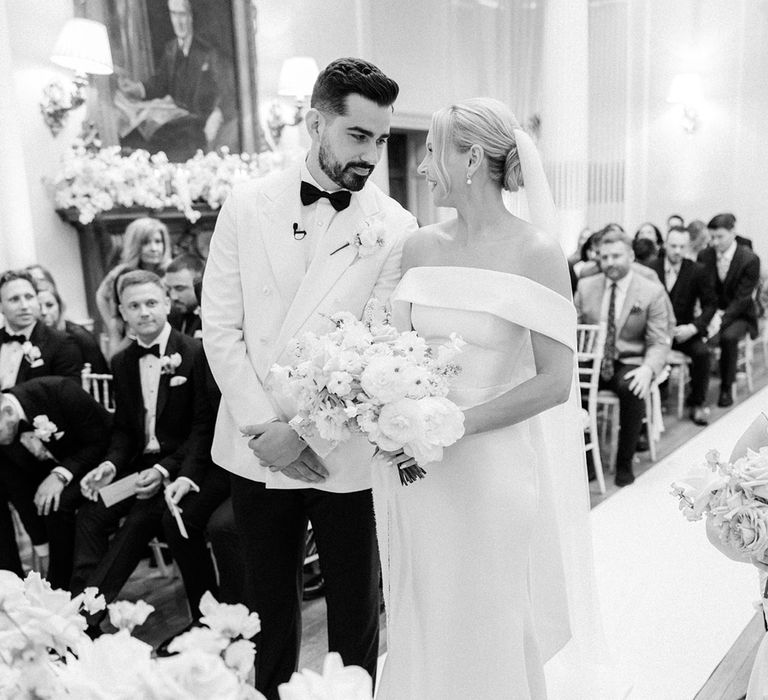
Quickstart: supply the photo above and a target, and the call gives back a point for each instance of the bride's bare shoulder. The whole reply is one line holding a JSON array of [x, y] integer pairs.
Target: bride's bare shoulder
[[538, 256], [421, 246]]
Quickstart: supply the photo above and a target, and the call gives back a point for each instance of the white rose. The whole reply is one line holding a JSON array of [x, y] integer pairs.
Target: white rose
[[748, 530], [383, 379], [126, 615], [200, 676], [443, 421], [200, 639], [239, 656], [337, 682], [229, 620], [401, 422]]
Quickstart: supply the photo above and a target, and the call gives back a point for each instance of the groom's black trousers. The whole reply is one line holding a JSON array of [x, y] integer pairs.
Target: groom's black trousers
[[272, 524]]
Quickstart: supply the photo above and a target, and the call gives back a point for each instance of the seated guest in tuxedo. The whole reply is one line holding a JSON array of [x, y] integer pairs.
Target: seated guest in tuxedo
[[52, 314], [51, 433], [29, 348], [736, 272], [181, 276], [635, 312], [699, 234], [689, 283], [162, 430]]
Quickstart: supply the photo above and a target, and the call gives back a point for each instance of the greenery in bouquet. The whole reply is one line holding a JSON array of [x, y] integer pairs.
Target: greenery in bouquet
[[45, 653], [94, 180], [733, 497], [366, 377]]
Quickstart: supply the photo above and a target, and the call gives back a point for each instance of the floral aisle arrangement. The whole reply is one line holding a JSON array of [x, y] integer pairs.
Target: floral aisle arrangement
[[93, 180], [366, 377], [733, 497], [336, 682], [45, 653]]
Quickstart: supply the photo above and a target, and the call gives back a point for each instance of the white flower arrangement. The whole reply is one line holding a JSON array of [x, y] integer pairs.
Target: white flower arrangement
[[170, 363], [45, 653], [733, 497], [44, 428], [96, 180], [366, 377], [336, 682]]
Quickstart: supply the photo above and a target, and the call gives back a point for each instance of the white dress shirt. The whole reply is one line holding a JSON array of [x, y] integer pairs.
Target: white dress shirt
[[724, 261], [671, 273], [11, 355], [149, 371], [622, 286], [315, 218]]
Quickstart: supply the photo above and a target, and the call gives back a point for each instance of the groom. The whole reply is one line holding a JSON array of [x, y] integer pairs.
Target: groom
[[282, 261]]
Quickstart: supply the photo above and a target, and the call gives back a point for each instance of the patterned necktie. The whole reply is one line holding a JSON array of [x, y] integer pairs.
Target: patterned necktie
[[609, 352]]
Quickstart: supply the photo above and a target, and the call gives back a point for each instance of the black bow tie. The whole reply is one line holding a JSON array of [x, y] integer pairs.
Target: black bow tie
[[152, 350], [7, 337], [310, 194]]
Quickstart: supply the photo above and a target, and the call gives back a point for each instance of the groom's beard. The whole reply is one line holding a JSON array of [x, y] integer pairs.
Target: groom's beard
[[342, 175]]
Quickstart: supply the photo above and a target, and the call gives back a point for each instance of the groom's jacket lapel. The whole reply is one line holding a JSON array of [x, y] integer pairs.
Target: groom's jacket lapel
[[327, 266]]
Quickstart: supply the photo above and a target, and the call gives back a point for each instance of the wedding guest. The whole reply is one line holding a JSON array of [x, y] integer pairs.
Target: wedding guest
[[52, 314], [650, 232], [675, 220], [162, 430], [692, 290], [42, 277], [635, 312], [146, 246], [51, 433], [589, 264], [28, 347], [258, 293], [181, 276], [646, 252], [736, 271], [577, 254], [699, 234]]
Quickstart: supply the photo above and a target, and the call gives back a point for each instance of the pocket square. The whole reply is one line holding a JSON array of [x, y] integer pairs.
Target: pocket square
[[177, 381], [198, 334], [636, 309], [37, 363]]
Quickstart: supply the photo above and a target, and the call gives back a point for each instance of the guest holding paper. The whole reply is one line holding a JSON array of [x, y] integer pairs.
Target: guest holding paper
[[51, 433], [163, 429]]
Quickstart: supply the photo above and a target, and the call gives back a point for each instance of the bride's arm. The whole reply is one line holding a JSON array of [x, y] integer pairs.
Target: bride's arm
[[550, 387]]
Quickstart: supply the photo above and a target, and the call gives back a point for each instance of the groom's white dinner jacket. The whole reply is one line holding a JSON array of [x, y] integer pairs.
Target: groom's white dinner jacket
[[258, 294]]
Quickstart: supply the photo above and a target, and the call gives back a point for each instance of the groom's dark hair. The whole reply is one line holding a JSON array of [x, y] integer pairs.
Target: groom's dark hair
[[351, 76]]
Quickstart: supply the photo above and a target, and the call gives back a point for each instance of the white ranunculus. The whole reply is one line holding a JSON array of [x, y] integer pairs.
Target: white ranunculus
[[126, 615], [229, 620], [443, 420], [401, 422], [336, 682], [239, 656]]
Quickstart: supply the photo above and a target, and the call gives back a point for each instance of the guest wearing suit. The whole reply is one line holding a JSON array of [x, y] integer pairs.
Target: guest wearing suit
[[163, 427], [688, 283], [736, 271], [41, 465], [636, 315], [281, 264], [181, 276], [29, 348]]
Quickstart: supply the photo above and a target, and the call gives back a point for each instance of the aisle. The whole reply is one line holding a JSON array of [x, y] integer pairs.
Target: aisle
[[672, 605]]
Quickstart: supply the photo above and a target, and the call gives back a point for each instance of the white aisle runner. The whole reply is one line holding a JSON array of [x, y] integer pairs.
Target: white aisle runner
[[672, 605]]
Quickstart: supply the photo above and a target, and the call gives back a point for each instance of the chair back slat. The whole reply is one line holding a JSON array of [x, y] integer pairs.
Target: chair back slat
[[590, 341], [99, 386]]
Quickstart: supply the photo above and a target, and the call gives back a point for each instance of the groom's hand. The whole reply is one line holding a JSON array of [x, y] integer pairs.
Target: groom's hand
[[275, 444], [306, 468]]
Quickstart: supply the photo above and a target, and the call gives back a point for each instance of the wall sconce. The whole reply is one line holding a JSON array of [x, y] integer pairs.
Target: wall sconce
[[686, 91], [83, 46], [297, 78]]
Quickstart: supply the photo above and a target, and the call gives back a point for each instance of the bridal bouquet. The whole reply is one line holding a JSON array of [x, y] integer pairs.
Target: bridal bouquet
[[365, 377], [733, 497]]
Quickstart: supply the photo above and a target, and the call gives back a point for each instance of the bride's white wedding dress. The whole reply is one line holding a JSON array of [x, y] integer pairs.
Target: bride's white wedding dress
[[470, 553]]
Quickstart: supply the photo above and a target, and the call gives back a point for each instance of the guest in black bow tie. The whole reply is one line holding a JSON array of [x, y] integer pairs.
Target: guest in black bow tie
[[163, 428], [181, 276], [29, 348], [51, 433]]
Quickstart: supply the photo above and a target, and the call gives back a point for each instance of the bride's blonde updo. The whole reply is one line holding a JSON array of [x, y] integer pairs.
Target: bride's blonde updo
[[486, 122]]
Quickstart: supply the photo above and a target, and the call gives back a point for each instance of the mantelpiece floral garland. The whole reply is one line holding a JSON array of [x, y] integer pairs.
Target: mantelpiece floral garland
[[97, 180]]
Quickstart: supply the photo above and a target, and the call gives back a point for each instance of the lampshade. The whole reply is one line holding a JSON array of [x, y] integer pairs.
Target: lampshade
[[83, 46], [297, 76], [685, 89]]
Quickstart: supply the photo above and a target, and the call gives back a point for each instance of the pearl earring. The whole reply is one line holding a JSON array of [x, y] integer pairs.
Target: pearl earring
[[469, 179]]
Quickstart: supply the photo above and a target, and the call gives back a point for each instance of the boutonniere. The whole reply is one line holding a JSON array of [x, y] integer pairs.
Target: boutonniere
[[34, 445], [45, 428], [636, 309], [32, 354], [368, 237], [169, 363]]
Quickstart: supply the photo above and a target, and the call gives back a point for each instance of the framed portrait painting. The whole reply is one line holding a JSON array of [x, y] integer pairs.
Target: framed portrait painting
[[185, 76]]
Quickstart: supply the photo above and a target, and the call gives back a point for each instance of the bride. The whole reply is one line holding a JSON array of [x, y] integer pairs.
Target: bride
[[479, 567]]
